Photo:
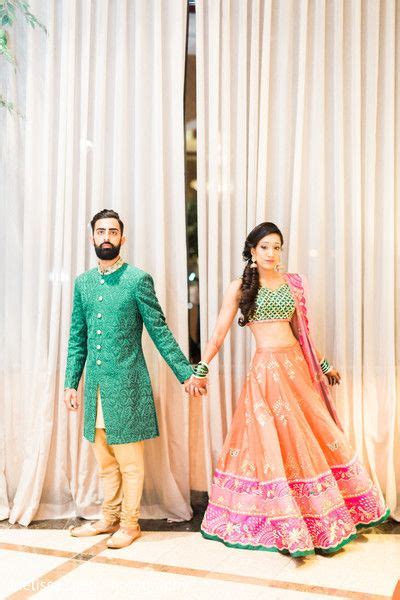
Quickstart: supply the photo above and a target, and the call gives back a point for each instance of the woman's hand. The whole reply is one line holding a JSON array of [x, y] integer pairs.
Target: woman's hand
[[196, 386], [333, 376]]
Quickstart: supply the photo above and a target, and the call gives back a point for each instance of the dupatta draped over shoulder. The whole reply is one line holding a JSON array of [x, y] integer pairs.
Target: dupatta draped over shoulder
[[301, 324]]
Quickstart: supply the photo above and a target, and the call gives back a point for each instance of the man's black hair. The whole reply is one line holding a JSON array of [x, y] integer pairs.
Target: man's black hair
[[107, 213]]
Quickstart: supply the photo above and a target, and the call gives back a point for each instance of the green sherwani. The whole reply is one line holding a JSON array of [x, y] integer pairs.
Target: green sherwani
[[106, 333]]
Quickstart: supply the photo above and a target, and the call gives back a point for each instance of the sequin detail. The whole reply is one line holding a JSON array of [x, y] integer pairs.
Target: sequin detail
[[276, 304]]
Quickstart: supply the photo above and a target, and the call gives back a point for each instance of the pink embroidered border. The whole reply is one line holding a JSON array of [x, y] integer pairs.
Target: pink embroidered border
[[296, 516]]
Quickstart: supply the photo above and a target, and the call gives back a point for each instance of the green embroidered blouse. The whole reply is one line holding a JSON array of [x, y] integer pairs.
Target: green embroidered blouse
[[273, 305], [106, 330]]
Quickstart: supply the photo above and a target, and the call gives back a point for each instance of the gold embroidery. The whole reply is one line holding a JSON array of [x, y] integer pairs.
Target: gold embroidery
[[261, 412], [332, 530], [247, 465], [259, 377], [294, 535], [114, 267], [230, 527], [234, 451], [275, 376], [289, 368], [278, 407], [333, 445], [272, 364], [299, 357], [267, 468], [261, 420]]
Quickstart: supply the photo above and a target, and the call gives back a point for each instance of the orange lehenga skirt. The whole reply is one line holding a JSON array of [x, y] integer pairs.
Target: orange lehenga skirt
[[287, 479]]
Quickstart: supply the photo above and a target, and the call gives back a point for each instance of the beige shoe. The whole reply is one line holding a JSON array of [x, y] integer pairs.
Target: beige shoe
[[93, 528], [124, 537]]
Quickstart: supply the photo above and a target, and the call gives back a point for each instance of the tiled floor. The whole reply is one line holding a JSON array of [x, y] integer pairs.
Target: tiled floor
[[176, 563]]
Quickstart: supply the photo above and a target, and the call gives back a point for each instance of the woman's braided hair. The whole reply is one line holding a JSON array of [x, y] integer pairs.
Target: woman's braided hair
[[250, 277]]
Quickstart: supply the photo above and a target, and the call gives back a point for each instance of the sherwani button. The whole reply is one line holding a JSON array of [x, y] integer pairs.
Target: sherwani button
[[99, 315], [98, 347], [98, 332], [98, 362], [101, 281], [100, 298]]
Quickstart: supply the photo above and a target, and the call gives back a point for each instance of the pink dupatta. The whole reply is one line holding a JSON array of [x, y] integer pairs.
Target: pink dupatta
[[298, 284]]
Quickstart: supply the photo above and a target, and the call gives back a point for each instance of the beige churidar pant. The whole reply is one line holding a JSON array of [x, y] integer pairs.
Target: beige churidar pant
[[121, 470]]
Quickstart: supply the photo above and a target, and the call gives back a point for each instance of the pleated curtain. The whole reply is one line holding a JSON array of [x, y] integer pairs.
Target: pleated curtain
[[102, 98], [298, 124]]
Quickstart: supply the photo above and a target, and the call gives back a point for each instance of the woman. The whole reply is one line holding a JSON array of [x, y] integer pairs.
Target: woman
[[287, 479]]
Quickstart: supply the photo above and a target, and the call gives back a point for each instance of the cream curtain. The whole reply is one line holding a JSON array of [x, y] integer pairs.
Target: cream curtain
[[298, 108], [102, 96]]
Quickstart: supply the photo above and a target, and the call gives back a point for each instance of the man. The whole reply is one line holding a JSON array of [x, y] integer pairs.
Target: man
[[110, 305]]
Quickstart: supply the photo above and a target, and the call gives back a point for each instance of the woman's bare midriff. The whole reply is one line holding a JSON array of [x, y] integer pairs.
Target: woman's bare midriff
[[272, 333]]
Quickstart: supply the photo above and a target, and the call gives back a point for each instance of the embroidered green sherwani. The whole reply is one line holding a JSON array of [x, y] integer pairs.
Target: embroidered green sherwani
[[106, 331]]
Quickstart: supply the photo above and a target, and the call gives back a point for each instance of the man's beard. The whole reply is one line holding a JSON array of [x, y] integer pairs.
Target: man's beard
[[108, 253]]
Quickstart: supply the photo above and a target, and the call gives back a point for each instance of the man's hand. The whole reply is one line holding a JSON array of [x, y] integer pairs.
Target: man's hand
[[196, 386], [71, 399]]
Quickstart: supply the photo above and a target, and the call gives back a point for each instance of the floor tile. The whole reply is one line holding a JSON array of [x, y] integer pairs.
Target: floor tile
[[180, 549], [19, 569], [253, 563], [48, 538], [275, 594], [369, 564], [98, 582], [150, 547], [183, 565]]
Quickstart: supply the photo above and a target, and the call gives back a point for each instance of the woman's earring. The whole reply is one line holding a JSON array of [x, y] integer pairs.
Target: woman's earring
[[253, 263]]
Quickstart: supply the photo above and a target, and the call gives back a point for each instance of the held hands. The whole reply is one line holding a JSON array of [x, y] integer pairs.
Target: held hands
[[333, 376], [71, 399], [196, 386]]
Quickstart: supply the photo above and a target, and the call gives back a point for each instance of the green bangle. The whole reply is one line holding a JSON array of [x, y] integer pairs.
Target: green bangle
[[325, 366], [201, 369]]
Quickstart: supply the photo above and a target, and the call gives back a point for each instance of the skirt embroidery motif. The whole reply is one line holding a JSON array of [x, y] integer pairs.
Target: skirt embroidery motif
[[288, 479]]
